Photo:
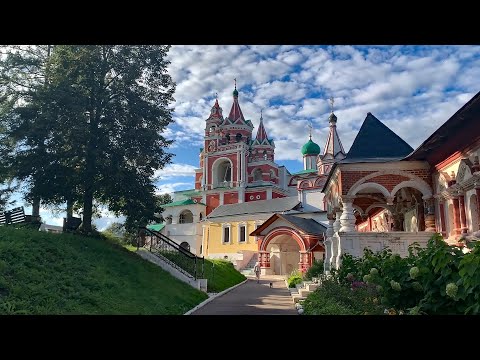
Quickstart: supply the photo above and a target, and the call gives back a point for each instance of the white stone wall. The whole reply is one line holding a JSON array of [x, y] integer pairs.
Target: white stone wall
[[354, 242]]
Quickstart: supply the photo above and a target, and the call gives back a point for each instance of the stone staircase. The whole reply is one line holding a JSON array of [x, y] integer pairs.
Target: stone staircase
[[248, 269], [301, 291]]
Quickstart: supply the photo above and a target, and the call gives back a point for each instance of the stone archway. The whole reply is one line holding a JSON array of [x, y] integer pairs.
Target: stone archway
[[282, 250]]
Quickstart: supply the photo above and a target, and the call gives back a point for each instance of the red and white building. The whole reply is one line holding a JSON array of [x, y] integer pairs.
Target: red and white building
[[385, 194]]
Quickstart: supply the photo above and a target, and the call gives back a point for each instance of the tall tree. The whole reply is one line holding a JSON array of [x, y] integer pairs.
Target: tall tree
[[112, 105], [22, 74]]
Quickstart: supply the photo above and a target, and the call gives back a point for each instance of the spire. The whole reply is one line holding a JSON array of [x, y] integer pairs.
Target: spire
[[235, 111], [332, 118], [333, 145], [216, 111], [261, 133], [235, 92]]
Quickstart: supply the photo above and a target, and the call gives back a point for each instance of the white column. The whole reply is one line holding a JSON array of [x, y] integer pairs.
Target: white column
[[336, 224], [269, 194], [330, 228], [328, 244], [334, 238], [221, 197], [203, 237], [347, 220], [205, 165], [238, 168]]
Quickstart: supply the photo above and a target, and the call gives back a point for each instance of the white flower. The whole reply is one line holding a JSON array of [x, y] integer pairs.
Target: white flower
[[373, 271], [451, 290], [414, 271]]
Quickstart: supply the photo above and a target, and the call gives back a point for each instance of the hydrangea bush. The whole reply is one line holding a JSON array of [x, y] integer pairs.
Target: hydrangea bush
[[439, 279]]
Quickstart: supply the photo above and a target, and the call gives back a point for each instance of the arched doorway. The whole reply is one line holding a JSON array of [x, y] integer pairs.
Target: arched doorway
[[185, 245], [284, 255], [474, 212], [186, 217], [285, 250]]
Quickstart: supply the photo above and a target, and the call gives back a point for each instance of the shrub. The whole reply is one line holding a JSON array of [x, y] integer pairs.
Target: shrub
[[335, 298], [439, 279], [294, 278], [315, 270]]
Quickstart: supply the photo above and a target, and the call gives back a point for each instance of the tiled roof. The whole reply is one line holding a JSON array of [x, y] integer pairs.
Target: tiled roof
[[376, 140], [252, 207], [309, 226]]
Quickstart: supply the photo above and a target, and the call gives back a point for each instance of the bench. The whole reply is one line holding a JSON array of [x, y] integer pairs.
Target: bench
[[14, 216], [71, 224]]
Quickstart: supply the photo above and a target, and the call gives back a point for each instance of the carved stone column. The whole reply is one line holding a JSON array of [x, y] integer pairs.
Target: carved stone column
[[463, 217], [347, 220], [477, 191], [336, 224], [429, 214], [305, 262], [443, 228], [330, 230], [456, 216], [264, 260], [327, 243]]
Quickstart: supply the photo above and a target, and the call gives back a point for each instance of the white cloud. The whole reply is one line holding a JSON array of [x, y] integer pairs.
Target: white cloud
[[175, 170], [169, 188]]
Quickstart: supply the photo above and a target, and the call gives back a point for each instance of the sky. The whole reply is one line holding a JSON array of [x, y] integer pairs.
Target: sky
[[411, 89]]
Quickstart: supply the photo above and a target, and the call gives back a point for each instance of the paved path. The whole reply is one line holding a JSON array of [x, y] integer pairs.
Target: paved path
[[253, 299]]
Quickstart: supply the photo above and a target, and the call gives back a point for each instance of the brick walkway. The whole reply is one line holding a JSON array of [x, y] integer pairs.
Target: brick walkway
[[253, 299]]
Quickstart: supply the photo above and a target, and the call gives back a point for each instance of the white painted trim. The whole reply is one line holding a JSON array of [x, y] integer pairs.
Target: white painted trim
[[229, 226], [205, 302], [246, 233]]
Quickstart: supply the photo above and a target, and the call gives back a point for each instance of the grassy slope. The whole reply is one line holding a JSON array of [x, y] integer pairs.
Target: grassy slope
[[221, 275], [43, 273]]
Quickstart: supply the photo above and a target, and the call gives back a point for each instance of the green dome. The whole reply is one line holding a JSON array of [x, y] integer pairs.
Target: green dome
[[235, 93], [310, 148]]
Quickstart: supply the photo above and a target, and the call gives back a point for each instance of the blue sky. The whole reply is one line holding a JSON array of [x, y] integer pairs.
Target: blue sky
[[412, 89]]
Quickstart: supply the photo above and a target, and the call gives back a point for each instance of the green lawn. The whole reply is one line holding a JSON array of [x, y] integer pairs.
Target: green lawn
[[221, 275], [42, 273]]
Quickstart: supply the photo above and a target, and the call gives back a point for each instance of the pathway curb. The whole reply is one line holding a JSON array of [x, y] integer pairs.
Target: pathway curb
[[205, 302]]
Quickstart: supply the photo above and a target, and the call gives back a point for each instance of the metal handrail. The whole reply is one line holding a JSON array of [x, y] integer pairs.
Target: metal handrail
[[172, 253]]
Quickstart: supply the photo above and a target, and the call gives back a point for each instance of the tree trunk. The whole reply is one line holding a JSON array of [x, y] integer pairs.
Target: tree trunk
[[69, 209], [87, 209], [36, 209]]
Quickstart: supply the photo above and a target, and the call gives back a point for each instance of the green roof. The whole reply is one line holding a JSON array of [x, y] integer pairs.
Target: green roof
[[184, 191], [310, 148], [156, 227], [182, 203], [305, 172], [192, 193]]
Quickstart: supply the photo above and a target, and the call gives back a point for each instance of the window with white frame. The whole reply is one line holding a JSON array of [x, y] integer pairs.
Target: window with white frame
[[242, 233], [226, 233]]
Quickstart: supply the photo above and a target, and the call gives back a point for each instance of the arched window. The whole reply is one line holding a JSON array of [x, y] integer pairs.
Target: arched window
[[185, 245], [186, 217], [201, 216], [257, 175], [222, 173], [272, 174], [238, 137], [228, 138], [265, 156]]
